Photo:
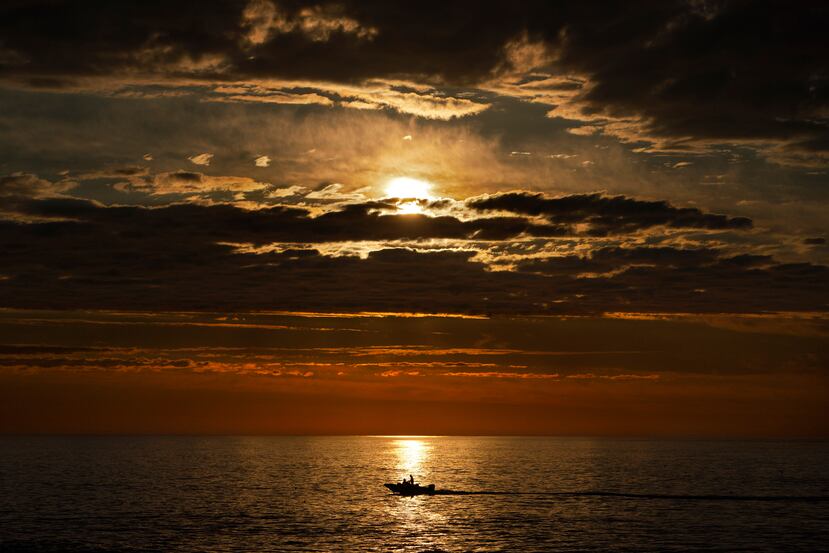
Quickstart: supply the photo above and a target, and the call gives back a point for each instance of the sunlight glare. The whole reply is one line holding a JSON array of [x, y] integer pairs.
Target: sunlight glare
[[411, 454], [409, 189]]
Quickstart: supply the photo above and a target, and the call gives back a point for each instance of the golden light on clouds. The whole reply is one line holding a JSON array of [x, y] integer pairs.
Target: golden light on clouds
[[374, 220]]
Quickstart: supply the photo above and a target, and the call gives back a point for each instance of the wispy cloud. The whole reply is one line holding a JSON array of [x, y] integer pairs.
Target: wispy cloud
[[201, 159]]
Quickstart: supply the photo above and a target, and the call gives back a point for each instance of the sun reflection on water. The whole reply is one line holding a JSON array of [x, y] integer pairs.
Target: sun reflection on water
[[412, 453], [411, 517]]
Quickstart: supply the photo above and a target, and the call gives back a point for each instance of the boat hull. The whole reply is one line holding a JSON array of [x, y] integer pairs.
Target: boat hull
[[411, 489]]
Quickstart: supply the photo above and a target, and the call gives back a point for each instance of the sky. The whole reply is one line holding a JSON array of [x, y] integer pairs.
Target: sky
[[564, 218]]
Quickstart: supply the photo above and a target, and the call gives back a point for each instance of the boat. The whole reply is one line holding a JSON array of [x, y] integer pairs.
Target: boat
[[409, 488]]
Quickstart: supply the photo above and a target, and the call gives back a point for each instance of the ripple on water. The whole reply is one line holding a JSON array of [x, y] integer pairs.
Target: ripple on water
[[325, 494]]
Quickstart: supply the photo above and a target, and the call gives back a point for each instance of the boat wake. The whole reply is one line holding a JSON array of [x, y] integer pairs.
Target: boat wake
[[648, 496], [690, 497]]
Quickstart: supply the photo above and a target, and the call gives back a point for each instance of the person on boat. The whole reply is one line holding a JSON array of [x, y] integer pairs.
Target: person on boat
[[411, 479]]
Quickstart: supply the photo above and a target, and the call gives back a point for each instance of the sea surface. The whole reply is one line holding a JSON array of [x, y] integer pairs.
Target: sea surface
[[326, 494]]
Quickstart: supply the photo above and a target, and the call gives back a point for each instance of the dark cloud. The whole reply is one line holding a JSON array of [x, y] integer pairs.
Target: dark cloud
[[183, 37], [28, 185], [720, 71], [609, 259], [656, 279], [113, 173], [376, 220], [607, 214], [27, 349], [180, 257], [817, 241], [279, 224], [732, 70], [188, 176]]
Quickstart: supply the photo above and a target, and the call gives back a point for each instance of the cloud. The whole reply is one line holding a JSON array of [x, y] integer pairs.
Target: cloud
[[357, 148], [335, 42], [614, 259], [264, 20], [606, 214], [641, 73], [28, 185], [617, 377], [395, 372], [191, 183], [286, 192], [271, 97], [201, 159], [80, 254], [334, 193], [649, 72], [658, 79], [511, 375], [376, 94], [131, 172], [585, 130], [426, 104], [262, 161]]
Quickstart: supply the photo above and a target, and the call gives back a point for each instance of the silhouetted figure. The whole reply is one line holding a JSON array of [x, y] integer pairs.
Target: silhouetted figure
[[409, 487]]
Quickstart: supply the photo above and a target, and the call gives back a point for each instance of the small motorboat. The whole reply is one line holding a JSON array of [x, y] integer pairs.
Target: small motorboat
[[410, 488]]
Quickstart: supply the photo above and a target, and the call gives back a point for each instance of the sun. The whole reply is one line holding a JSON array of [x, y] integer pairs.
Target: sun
[[411, 190], [407, 187]]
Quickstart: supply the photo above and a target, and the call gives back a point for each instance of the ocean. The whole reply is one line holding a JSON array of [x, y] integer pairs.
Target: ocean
[[159, 493]]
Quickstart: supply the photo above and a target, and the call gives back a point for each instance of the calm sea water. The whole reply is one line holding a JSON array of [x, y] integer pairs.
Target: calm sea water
[[326, 494]]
